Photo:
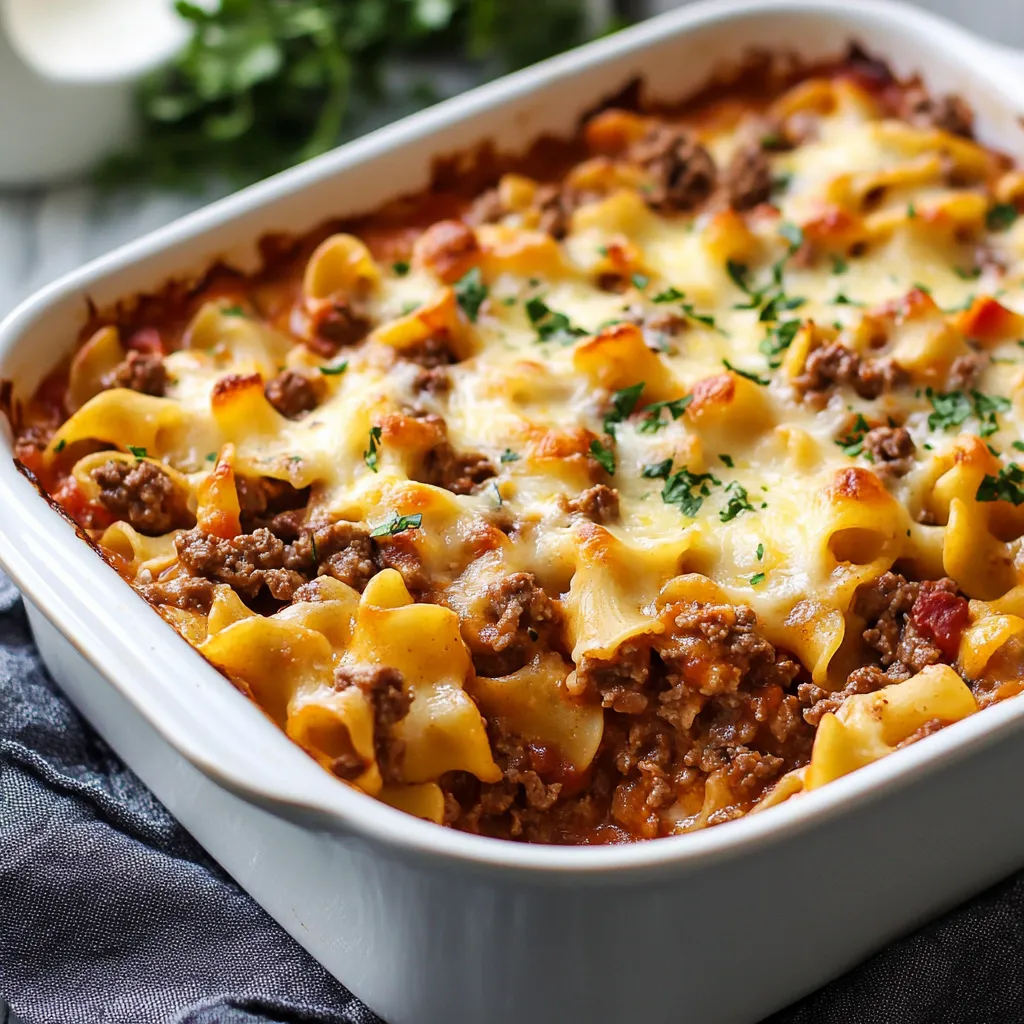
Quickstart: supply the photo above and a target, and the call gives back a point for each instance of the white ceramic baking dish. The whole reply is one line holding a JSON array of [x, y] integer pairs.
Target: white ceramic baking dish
[[431, 926]]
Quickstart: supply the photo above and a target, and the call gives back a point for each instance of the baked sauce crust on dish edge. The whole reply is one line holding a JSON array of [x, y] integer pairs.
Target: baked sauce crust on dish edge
[[648, 481]]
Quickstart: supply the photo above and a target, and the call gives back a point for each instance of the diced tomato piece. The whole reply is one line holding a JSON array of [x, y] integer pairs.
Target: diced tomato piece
[[988, 320], [88, 514], [941, 616], [147, 340]]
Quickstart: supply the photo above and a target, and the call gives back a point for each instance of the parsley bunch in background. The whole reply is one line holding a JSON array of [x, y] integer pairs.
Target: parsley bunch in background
[[264, 84]]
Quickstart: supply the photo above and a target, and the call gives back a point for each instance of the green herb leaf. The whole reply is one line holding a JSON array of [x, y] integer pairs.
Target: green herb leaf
[[1005, 486], [396, 524], [370, 456], [951, 409], [336, 370], [656, 470], [400, 268], [911, 211], [737, 503], [839, 265], [60, 446], [669, 295], [777, 340], [604, 457], [762, 381], [232, 311], [757, 578], [551, 326], [727, 459], [139, 453], [793, 234], [623, 403], [509, 456], [853, 443], [470, 291], [680, 487], [211, 456], [1000, 216], [640, 281], [760, 552], [971, 274], [1018, 445], [652, 421]]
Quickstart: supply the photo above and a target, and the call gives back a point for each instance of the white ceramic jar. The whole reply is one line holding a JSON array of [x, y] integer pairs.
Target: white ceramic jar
[[67, 70]]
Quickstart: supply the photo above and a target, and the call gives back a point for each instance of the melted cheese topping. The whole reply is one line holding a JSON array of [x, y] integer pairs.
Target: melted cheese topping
[[677, 358]]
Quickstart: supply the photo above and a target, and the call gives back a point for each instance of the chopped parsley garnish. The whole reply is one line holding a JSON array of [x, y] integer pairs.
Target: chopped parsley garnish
[[400, 267], [971, 274], [839, 265], [604, 457], [139, 453], [953, 408], [793, 234], [679, 490], [396, 524], [853, 443], [656, 470], [727, 460], [762, 381], [211, 456], [336, 370], [737, 503], [780, 304], [986, 407], [844, 300], [549, 325], [1000, 216], [776, 341], [623, 403], [640, 281], [471, 291], [760, 552], [232, 311], [1018, 445], [669, 295], [60, 446], [1006, 486], [781, 182], [370, 455], [911, 211], [652, 421], [509, 456], [758, 577]]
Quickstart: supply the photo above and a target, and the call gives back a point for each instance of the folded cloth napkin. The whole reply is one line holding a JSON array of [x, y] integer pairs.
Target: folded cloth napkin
[[111, 914]]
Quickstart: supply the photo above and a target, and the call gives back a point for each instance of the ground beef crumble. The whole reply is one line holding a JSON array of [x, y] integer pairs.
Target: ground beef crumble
[[292, 393], [748, 178], [140, 371], [908, 625], [253, 561], [891, 449], [682, 172], [834, 365], [142, 495], [384, 688]]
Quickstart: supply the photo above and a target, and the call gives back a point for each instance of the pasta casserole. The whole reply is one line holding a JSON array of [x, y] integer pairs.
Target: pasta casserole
[[663, 475]]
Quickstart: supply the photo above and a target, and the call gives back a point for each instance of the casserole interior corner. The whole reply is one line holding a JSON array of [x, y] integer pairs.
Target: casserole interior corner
[[666, 475]]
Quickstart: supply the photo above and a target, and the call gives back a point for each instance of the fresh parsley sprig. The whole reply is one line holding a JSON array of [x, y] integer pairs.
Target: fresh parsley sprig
[[263, 84]]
